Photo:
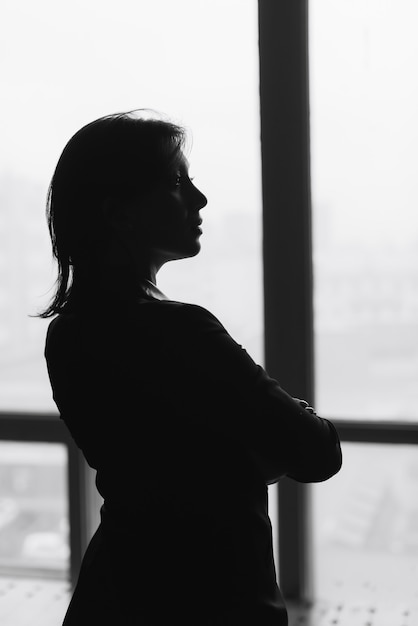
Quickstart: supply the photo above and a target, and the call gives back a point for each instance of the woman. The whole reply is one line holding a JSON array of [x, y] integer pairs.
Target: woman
[[184, 429]]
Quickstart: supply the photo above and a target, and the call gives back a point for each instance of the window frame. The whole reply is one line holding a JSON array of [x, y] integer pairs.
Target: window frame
[[288, 328], [48, 428], [288, 301], [287, 236]]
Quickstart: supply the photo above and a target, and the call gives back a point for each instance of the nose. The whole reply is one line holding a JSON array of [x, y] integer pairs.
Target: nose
[[200, 199]]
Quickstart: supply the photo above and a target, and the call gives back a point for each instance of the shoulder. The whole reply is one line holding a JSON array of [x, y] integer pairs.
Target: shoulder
[[61, 325], [159, 322], [194, 315], [62, 334], [189, 319]]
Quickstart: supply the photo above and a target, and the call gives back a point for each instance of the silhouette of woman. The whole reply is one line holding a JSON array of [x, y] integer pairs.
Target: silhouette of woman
[[184, 429]]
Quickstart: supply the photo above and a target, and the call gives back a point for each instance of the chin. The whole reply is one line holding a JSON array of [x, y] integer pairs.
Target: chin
[[197, 248], [190, 252]]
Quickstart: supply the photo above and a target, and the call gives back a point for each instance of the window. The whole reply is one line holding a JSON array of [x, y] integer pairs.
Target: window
[[150, 60], [363, 98], [313, 283], [70, 64], [366, 527], [161, 57], [34, 518]]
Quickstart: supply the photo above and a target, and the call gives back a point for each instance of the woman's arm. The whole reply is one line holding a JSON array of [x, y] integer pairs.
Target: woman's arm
[[240, 401]]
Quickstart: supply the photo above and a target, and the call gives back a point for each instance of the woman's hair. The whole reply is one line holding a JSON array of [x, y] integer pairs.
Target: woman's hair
[[117, 157]]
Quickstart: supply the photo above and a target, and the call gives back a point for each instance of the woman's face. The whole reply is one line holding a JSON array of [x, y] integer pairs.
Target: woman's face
[[169, 220]]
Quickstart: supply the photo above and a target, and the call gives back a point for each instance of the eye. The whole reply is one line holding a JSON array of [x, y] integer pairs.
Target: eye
[[179, 178], [176, 179]]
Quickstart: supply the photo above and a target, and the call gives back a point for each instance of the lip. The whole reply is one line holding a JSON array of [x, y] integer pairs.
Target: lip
[[196, 226]]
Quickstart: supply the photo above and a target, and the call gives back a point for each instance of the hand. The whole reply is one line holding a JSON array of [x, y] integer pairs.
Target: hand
[[305, 406]]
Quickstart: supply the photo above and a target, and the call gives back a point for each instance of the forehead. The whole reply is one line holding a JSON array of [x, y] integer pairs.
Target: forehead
[[183, 163]]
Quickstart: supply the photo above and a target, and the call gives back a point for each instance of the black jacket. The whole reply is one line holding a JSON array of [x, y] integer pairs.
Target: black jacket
[[185, 432]]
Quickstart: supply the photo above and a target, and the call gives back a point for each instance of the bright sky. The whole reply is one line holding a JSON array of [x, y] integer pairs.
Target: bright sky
[[364, 103], [66, 63]]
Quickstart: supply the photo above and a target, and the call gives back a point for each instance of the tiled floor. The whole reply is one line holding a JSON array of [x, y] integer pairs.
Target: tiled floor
[[322, 614], [25, 602]]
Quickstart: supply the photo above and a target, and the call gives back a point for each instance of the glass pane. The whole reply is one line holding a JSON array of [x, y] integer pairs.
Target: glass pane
[[175, 57], [365, 521], [273, 511], [34, 523], [364, 98]]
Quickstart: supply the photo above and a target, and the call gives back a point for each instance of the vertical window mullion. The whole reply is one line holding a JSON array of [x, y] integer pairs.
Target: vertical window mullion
[[77, 509], [84, 506], [287, 247]]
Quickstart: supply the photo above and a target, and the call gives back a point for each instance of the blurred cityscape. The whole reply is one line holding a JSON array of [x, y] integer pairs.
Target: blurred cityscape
[[34, 523], [366, 307], [366, 333], [365, 531]]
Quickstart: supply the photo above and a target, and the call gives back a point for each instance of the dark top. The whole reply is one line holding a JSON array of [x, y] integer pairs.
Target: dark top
[[185, 432]]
